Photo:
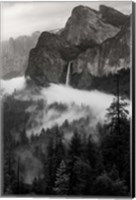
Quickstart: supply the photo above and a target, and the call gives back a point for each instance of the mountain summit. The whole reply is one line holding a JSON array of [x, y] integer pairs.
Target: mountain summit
[[85, 26], [112, 16]]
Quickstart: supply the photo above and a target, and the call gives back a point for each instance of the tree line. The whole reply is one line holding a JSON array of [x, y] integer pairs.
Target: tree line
[[80, 167]]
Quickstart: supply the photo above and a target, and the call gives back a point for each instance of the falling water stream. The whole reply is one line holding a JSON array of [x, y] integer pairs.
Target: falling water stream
[[68, 74]]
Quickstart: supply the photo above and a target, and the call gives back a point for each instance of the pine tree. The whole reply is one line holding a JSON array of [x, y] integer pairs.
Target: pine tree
[[117, 112], [94, 157], [81, 178], [10, 178], [49, 168], [116, 143], [7, 175], [74, 153], [75, 146], [105, 186], [55, 153], [62, 180], [102, 185]]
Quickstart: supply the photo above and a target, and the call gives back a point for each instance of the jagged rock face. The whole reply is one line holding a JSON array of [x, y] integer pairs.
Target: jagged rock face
[[48, 60], [112, 16], [15, 54], [94, 48], [45, 61], [103, 59], [85, 27], [115, 52]]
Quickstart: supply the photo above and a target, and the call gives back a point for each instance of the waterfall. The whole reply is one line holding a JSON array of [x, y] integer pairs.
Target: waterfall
[[68, 74]]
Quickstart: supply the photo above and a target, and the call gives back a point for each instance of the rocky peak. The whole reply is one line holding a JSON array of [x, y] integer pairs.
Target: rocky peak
[[94, 46], [55, 43], [45, 60], [83, 12], [51, 41], [86, 26], [112, 16], [116, 51]]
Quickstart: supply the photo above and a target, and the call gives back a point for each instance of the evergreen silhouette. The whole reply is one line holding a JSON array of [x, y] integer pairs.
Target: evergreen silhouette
[[62, 180]]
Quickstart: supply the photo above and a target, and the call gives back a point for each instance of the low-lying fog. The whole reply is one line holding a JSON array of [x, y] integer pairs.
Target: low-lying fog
[[59, 103], [9, 86], [78, 104], [53, 106]]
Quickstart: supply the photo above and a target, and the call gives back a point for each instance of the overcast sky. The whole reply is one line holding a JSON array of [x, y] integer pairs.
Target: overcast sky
[[27, 17]]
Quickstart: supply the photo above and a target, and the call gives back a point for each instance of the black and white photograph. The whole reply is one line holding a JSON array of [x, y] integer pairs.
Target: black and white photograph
[[66, 99]]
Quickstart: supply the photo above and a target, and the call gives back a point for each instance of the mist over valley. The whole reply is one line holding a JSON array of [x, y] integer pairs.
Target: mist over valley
[[66, 107]]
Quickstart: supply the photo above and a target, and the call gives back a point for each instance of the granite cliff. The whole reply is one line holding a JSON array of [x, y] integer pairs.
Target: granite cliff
[[95, 46]]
